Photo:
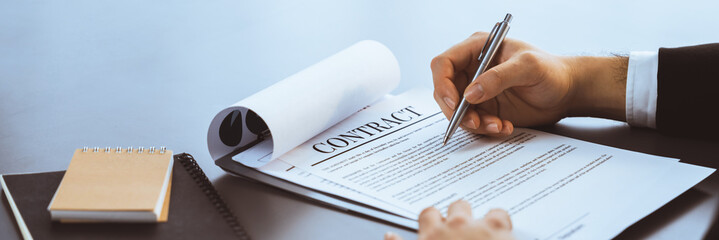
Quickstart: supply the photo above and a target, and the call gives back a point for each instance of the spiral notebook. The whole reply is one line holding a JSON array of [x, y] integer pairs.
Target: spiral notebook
[[196, 210], [114, 185]]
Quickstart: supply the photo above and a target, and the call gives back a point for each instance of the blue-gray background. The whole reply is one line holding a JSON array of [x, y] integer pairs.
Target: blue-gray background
[[152, 73]]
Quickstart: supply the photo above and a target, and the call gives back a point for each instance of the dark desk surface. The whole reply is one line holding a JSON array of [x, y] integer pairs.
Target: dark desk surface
[[139, 73]]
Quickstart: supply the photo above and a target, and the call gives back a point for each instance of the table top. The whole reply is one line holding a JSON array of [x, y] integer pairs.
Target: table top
[[139, 73]]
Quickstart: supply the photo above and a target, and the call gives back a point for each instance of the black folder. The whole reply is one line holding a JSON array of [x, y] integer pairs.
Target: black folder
[[196, 209]]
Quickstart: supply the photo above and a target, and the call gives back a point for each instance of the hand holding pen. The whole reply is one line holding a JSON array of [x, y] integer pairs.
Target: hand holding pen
[[523, 85]]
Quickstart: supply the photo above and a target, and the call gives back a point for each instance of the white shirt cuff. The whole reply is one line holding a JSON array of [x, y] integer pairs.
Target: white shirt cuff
[[641, 99]]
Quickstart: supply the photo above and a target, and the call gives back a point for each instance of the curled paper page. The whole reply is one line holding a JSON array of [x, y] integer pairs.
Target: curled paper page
[[277, 119]]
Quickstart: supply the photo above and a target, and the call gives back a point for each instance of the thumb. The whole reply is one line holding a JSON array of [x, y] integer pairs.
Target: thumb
[[495, 80]]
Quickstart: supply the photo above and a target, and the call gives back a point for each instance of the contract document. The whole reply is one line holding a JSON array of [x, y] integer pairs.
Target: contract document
[[386, 152]]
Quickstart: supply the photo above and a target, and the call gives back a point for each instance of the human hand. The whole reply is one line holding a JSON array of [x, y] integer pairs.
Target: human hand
[[459, 224], [526, 86]]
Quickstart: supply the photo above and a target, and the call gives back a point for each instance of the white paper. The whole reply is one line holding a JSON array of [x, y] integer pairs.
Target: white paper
[[675, 180], [283, 170], [306, 103], [553, 186]]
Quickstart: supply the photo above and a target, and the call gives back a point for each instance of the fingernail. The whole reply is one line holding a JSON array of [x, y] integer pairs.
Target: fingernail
[[506, 130], [474, 93], [450, 103], [390, 235], [492, 128], [469, 123]]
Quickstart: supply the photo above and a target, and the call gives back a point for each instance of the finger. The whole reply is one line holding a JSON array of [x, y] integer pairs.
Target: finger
[[446, 66], [488, 112], [517, 71], [498, 219], [490, 124], [459, 56], [507, 128], [446, 105], [461, 82], [391, 236], [447, 98], [429, 218], [480, 115], [471, 121], [459, 208], [459, 213]]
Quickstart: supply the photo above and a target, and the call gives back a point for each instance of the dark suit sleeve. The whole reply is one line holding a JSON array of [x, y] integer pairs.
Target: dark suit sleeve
[[688, 91]]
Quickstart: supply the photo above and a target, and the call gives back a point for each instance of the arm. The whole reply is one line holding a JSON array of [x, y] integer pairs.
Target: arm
[[688, 79], [526, 86], [601, 87]]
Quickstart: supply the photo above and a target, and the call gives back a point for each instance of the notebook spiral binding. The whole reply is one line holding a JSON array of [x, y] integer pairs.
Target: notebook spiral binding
[[190, 165], [118, 149]]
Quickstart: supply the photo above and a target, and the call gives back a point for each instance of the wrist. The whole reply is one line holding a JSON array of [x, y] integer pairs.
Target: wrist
[[598, 87]]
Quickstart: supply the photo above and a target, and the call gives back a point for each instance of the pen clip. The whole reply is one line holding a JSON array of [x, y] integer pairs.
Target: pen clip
[[491, 36]]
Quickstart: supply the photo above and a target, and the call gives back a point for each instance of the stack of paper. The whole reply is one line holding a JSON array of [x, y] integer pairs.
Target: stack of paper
[[390, 155]]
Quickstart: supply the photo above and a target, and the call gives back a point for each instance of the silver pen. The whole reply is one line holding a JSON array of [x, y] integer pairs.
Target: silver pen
[[496, 36]]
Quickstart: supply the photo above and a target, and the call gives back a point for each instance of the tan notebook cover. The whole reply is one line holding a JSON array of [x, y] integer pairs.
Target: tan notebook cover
[[115, 179]]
